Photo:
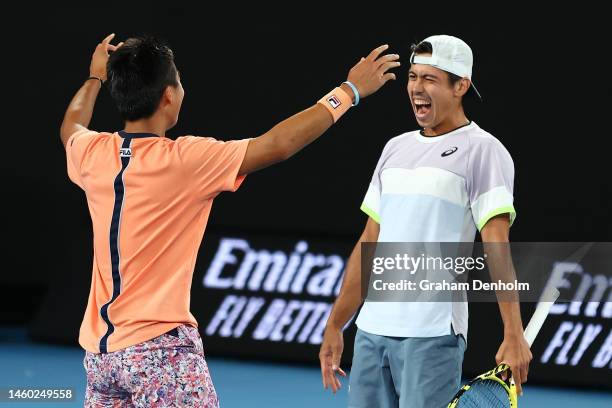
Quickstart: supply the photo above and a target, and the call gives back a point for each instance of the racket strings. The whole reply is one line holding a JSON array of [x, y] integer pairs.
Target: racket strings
[[485, 393]]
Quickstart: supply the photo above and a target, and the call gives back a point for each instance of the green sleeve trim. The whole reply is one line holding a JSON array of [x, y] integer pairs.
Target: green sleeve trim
[[371, 213], [502, 210]]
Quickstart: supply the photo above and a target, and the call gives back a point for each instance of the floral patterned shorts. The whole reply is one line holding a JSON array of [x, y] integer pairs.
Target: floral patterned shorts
[[167, 371]]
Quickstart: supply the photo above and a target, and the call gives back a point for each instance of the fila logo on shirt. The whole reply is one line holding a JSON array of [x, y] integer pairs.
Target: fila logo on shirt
[[334, 101], [125, 152], [449, 151]]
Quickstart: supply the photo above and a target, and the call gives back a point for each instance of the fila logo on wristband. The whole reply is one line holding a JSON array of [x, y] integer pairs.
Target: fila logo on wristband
[[337, 102], [125, 152], [334, 101]]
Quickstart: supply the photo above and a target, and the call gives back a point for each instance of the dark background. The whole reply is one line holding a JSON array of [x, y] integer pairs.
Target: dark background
[[544, 78]]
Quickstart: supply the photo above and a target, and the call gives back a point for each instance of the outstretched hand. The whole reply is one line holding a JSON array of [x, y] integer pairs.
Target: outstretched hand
[[100, 57], [370, 73]]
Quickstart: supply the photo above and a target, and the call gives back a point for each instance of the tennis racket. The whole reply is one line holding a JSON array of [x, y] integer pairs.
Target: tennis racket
[[488, 390]]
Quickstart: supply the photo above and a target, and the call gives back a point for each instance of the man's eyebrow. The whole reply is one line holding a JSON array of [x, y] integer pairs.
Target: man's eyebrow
[[426, 75]]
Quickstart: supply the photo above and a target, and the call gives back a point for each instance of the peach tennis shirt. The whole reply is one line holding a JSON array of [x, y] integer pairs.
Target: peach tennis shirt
[[149, 198]]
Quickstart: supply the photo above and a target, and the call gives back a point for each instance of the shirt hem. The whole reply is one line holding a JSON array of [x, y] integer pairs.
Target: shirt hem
[[112, 347]]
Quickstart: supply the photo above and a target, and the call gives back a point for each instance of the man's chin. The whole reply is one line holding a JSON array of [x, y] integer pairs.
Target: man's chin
[[422, 124]]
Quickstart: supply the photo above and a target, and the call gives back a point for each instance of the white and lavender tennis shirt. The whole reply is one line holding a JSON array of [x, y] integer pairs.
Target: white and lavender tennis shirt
[[435, 189]]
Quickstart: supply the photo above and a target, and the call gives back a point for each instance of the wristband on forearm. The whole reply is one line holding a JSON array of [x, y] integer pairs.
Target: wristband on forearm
[[337, 102]]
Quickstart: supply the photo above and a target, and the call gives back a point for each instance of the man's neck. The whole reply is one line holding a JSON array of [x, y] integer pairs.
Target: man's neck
[[448, 125], [149, 125]]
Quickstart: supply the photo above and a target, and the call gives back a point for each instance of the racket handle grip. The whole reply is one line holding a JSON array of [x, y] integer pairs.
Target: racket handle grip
[[540, 314]]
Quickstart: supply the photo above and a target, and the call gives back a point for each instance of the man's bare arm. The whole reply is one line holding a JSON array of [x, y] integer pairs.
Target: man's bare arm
[[296, 132], [79, 112], [344, 308], [349, 299], [514, 350]]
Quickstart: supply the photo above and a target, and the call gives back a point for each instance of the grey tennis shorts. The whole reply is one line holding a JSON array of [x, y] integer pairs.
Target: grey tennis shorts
[[405, 372]]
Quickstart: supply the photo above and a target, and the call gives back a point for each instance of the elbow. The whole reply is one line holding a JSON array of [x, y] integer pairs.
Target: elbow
[[67, 124], [62, 128], [64, 132]]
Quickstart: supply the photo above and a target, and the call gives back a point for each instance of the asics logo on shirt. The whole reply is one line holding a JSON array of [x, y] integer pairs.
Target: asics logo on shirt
[[449, 151]]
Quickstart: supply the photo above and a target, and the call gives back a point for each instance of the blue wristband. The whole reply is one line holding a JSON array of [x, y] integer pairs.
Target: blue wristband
[[355, 91]]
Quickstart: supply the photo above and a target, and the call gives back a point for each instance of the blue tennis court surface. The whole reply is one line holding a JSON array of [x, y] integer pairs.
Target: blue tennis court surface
[[239, 384]]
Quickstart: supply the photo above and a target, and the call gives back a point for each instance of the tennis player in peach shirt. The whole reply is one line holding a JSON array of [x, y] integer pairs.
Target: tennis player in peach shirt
[[149, 199]]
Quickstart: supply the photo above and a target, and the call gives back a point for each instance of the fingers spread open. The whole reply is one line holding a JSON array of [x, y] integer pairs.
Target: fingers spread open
[[387, 66], [388, 58], [376, 52], [388, 77]]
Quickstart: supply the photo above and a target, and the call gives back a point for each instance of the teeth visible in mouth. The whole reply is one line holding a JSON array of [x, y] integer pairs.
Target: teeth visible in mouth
[[422, 106]]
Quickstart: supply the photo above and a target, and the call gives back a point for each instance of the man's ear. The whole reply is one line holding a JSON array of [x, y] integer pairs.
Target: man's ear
[[167, 97], [462, 86]]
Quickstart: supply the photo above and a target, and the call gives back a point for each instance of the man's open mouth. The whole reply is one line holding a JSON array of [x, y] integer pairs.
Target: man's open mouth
[[422, 107]]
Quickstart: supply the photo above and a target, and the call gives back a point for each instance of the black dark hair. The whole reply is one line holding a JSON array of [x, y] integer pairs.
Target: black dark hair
[[425, 47], [138, 73]]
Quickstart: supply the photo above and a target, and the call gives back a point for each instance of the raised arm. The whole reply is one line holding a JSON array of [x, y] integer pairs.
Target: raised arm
[[79, 112], [291, 135]]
